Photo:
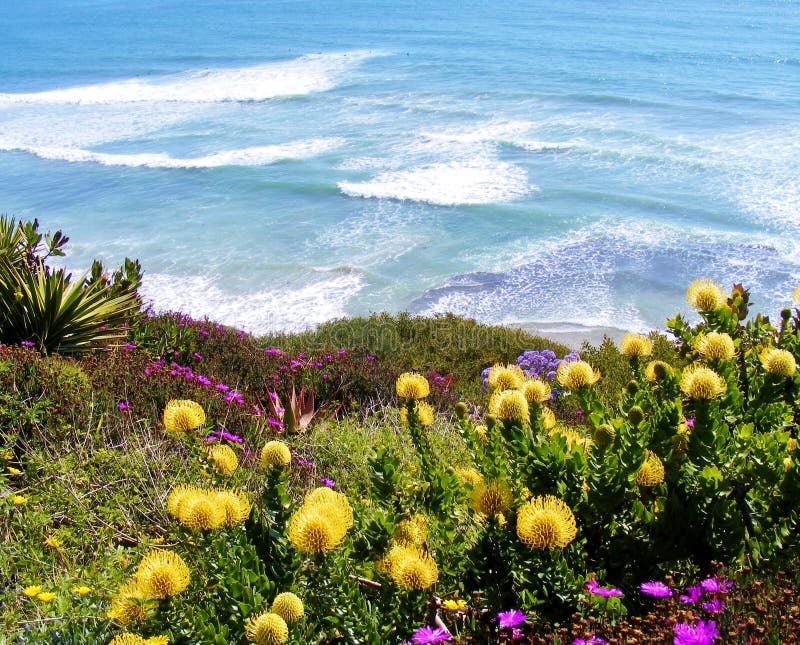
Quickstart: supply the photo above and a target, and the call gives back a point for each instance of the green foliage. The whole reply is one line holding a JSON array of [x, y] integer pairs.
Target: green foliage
[[47, 307], [447, 344]]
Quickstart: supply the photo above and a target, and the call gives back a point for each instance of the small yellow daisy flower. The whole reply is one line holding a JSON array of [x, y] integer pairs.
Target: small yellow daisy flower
[[32, 591], [18, 500], [45, 596], [82, 590], [454, 605]]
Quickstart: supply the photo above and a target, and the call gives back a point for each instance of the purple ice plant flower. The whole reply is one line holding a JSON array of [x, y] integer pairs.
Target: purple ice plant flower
[[656, 589], [593, 587], [714, 606], [716, 585], [594, 640], [511, 618], [304, 462], [429, 635], [690, 422], [692, 595], [325, 481], [703, 633], [27, 343], [124, 405], [273, 351]]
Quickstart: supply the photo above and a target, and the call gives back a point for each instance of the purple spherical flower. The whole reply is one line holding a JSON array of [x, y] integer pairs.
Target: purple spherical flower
[[656, 589], [701, 634], [511, 618], [426, 635]]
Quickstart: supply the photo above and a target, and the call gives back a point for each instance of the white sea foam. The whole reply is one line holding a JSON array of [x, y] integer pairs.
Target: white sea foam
[[283, 308], [252, 156], [303, 75], [479, 181]]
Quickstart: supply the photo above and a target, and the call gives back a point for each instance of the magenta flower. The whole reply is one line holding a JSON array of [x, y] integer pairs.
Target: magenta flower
[[701, 634], [692, 595], [656, 589], [124, 405], [716, 585], [715, 605], [427, 635], [27, 343], [511, 618], [593, 587], [690, 422], [594, 640], [327, 482]]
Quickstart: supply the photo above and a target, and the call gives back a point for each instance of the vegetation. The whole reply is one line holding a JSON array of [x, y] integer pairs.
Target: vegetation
[[179, 486]]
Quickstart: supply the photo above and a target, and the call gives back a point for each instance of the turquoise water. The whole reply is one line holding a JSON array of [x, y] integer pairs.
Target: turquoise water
[[274, 165]]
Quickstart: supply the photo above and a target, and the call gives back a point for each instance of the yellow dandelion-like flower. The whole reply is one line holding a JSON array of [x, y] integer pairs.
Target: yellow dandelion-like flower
[[53, 542], [698, 382], [275, 453], [156, 640], [778, 362], [510, 405], [548, 419], [178, 496], [491, 498], [411, 532], [13, 471], [127, 639], [572, 437], [546, 522], [454, 605], [235, 505], [424, 414], [131, 605], [18, 500], [468, 474], [288, 606], [182, 415], [637, 345], [162, 574], [266, 628], [224, 458], [796, 295], [715, 346], [45, 596], [505, 377], [316, 529], [705, 295], [336, 503], [202, 512], [32, 591], [657, 371], [651, 472], [412, 386], [82, 590], [574, 375], [536, 390]]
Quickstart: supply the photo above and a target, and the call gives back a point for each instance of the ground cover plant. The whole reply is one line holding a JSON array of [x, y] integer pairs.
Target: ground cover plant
[[194, 484]]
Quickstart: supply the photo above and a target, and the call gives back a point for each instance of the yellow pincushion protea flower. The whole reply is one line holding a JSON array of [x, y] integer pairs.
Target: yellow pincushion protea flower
[[275, 453], [573, 438], [266, 628], [178, 496], [698, 382], [235, 505], [491, 498], [224, 458], [546, 522], [156, 640], [548, 419], [202, 512], [715, 346], [162, 574], [637, 345], [536, 391], [424, 414], [574, 375], [183, 415], [657, 371], [410, 568], [327, 497], [510, 405], [131, 605], [705, 295], [651, 472], [505, 377], [127, 639], [288, 606], [411, 532], [469, 475], [412, 386], [778, 362], [317, 528]]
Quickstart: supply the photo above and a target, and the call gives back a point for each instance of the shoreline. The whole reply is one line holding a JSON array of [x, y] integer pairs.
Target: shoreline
[[573, 335]]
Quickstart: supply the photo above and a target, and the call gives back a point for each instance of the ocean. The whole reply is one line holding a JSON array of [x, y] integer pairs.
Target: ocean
[[274, 165]]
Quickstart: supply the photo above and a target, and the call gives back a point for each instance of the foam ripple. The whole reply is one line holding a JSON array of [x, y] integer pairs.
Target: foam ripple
[[251, 156], [304, 75], [480, 181]]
